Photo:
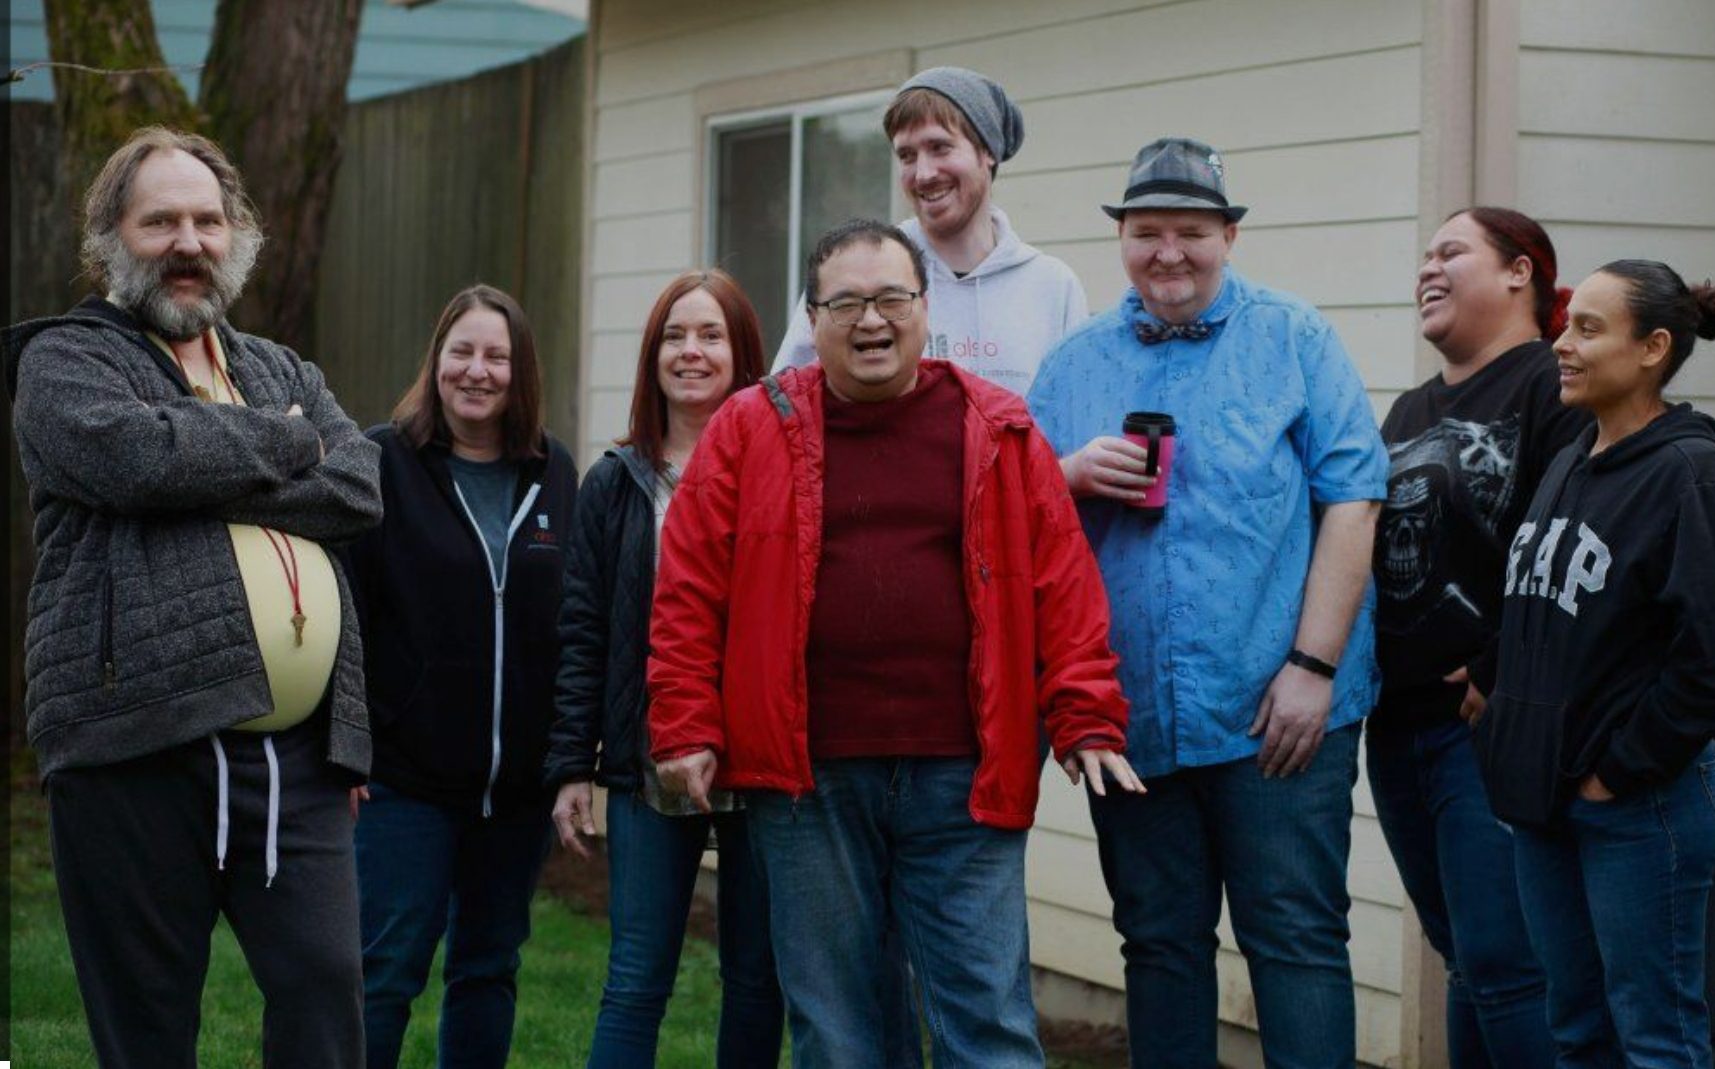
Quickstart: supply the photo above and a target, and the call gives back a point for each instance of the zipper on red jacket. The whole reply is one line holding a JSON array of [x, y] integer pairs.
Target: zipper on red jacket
[[973, 688], [784, 410]]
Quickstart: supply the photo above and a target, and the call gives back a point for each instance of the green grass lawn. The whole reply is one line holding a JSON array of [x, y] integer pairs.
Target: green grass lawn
[[565, 963], [558, 991]]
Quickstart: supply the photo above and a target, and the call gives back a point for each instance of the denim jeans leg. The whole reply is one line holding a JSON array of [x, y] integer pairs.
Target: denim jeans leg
[[1648, 860], [1399, 786], [652, 872], [405, 853], [1456, 861], [1283, 845], [1159, 867], [825, 858], [753, 1015], [1497, 967], [1557, 917], [499, 860], [958, 893], [899, 1014]]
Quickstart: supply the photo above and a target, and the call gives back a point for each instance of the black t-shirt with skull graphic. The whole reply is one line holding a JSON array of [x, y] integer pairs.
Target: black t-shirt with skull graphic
[[1463, 462]]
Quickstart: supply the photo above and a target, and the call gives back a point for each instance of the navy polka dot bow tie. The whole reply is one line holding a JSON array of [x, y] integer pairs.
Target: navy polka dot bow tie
[[1156, 333]]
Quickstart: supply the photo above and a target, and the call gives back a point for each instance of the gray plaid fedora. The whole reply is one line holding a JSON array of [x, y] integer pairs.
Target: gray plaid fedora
[[1177, 172]]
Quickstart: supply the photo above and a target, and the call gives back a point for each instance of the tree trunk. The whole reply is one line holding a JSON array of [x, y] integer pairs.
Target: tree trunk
[[97, 112], [274, 93]]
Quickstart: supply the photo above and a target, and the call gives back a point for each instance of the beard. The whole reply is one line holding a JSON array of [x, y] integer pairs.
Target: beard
[[142, 285]]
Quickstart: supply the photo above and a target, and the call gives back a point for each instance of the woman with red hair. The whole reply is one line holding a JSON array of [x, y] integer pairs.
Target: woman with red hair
[[701, 344], [1465, 452]]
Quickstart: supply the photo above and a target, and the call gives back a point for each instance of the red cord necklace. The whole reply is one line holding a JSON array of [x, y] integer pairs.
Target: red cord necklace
[[291, 572], [288, 557]]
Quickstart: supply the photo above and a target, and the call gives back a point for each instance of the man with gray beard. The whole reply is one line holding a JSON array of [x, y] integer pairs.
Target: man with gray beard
[[194, 673]]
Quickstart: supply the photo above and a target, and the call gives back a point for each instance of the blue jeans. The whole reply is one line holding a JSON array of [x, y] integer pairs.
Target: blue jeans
[[652, 869], [1456, 861], [424, 870], [1615, 896], [1279, 847], [881, 836]]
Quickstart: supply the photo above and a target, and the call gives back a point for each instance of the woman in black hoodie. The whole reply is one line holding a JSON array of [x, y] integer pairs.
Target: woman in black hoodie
[[1597, 742], [700, 345], [458, 591]]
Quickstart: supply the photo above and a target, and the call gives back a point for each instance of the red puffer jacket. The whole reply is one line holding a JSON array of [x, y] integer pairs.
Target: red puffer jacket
[[738, 574]]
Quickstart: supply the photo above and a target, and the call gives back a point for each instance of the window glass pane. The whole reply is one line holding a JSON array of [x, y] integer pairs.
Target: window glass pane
[[753, 187], [847, 172]]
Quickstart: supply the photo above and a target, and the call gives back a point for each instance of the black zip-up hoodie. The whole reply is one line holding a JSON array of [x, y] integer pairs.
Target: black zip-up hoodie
[[427, 601], [1606, 659]]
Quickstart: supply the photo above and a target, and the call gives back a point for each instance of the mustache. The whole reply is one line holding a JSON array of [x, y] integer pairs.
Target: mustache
[[176, 266]]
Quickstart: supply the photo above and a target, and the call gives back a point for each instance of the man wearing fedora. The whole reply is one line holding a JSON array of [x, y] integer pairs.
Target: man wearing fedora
[[998, 304], [1240, 614]]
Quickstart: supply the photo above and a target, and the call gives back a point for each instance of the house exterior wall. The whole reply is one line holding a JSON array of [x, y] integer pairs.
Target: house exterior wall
[[1616, 139], [1349, 126]]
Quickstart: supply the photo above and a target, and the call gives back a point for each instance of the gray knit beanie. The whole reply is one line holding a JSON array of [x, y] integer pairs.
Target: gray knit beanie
[[991, 112]]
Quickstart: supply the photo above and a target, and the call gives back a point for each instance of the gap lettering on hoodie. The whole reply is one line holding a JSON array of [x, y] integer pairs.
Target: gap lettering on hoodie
[[1586, 570]]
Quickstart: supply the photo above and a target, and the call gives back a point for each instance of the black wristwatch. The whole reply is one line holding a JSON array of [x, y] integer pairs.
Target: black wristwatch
[[1310, 664]]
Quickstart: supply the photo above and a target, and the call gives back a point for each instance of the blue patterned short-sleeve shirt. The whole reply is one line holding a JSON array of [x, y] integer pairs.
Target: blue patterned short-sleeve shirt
[[1272, 420]]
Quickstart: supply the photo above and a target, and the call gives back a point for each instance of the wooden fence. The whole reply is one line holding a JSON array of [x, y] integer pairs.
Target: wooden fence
[[478, 180]]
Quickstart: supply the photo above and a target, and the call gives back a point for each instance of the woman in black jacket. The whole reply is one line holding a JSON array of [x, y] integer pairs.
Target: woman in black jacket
[[458, 593], [700, 345], [1597, 742]]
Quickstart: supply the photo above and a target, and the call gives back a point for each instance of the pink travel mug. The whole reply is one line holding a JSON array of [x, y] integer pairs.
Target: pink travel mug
[[1155, 432]]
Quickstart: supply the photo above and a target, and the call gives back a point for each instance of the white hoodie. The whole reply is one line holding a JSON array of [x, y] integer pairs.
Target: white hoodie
[[997, 322]]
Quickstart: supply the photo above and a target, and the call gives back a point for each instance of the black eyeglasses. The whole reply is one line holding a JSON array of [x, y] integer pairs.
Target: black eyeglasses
[[893, 305]]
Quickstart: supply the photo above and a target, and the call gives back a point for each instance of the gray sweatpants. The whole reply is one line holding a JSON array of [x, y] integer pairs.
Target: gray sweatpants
[[134, 848]]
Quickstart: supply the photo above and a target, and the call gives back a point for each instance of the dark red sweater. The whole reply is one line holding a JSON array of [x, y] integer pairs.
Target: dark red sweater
[[890, 635]]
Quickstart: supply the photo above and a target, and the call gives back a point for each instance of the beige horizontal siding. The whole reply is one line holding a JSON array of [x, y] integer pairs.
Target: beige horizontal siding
[[1655, 27], [1339, 98], [638, 244], [643, 185], [1616, 147]]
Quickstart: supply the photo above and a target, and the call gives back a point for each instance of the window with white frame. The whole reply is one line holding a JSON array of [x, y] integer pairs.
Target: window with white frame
[[778, 179]]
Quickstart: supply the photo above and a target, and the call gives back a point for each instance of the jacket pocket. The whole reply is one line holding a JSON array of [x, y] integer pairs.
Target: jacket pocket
[[109, 671], [1519, 744]]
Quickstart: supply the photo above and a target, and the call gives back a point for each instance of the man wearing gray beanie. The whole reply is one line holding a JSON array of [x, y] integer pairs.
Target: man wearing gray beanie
[[996, 304]]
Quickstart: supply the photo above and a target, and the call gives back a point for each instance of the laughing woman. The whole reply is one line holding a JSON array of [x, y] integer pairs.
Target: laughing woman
[[1597, 742], [458, 591], [701, 344], [1465, 452]]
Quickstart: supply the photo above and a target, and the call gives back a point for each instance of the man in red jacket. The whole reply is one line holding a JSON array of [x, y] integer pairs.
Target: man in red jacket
[[873, 589]]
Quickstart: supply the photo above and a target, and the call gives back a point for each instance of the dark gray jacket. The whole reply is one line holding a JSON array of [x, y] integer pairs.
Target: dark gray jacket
[[139, 635]]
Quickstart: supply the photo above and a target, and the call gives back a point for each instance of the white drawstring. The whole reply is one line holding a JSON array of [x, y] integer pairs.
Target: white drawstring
[[272, 850], [221, 820]]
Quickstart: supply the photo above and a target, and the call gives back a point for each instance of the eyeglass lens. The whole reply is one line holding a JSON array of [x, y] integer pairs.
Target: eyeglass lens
[[891, 306]]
